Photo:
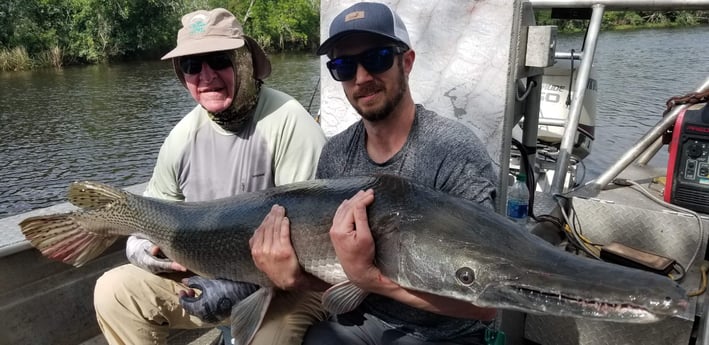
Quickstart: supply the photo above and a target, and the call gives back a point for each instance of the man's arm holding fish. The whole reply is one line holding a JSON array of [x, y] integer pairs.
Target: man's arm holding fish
[[146, 255], [273, 254], [140, 251], [354, 245]]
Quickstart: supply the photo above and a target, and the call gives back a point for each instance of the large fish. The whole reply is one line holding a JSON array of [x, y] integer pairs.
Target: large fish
[[425, 240]]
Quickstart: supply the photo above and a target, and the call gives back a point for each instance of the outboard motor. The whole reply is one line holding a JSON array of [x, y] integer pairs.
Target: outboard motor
[[688, 167], [555, 105]]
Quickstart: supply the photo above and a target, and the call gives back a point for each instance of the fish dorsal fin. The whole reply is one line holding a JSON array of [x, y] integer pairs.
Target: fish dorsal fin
[[343, 297], [247, 315], [92, 195]]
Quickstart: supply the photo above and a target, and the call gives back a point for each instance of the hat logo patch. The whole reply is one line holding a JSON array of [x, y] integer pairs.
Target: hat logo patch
[[354, 15], [198, 24]]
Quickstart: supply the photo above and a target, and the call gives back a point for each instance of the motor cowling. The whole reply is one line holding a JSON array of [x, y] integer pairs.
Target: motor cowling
[[555, 105]]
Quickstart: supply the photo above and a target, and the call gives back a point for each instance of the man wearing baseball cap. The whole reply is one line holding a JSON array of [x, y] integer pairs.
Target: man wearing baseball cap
[[372, 56], [241, 137]]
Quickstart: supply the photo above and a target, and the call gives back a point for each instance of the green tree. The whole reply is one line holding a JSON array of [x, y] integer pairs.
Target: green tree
[[34, 25], [115, 29], [628, 19], [278, 24]]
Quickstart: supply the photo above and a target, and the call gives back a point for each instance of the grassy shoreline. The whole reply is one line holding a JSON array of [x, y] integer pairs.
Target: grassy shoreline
[[18, 59]]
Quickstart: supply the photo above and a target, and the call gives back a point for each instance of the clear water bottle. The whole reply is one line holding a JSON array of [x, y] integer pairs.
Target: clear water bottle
[[518, 200]]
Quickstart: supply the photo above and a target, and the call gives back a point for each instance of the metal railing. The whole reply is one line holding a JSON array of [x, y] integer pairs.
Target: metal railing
[[579, 88], [623, 5]]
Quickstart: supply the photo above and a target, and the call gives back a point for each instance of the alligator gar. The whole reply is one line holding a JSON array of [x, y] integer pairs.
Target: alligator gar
[[426, 240]]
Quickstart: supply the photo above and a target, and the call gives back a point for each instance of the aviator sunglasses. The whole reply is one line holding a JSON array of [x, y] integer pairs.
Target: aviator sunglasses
[[193, 64], [375, 61]]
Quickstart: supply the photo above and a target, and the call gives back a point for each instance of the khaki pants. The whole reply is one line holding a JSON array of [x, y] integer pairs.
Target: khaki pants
[[137, 307]]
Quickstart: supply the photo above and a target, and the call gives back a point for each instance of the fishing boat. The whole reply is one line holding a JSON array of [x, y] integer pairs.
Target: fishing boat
[[488, 65]]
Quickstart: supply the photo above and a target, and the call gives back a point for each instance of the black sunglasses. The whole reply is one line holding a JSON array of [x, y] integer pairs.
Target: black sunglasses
[[192, 64], [375, 61]]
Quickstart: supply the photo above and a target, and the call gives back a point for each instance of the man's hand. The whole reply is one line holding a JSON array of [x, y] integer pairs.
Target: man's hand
[[217, 298], [353, 242], [273, 252], [146, 255], [352, 239]]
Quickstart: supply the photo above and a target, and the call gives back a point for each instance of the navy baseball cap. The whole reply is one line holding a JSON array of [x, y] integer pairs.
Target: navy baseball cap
[[366, 17]]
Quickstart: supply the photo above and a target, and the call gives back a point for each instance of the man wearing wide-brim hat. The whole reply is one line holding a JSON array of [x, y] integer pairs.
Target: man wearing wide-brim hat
[[241, 137]]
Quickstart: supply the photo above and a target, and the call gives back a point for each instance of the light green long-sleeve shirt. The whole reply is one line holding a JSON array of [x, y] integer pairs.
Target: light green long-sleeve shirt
[[200, 161]]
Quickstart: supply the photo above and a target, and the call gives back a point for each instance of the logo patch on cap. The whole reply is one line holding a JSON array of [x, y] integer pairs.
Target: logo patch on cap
[[198, 24], [354, 15]]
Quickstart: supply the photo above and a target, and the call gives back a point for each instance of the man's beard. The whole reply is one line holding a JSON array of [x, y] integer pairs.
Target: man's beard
[[391, 104]]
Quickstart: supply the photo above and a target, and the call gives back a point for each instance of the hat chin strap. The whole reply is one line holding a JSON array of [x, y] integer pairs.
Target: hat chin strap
[[246, 94]]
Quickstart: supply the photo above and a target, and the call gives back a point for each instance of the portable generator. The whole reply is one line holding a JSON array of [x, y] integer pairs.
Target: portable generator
[[688, 167]]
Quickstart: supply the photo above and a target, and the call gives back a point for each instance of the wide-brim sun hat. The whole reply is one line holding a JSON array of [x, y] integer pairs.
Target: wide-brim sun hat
[[366, 17], [217, 30]]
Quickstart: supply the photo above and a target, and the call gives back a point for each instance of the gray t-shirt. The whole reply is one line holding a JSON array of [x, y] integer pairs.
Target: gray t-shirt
[[440, 153]]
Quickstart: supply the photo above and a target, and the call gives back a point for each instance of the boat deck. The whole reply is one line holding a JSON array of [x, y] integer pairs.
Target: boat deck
[[624, 214]]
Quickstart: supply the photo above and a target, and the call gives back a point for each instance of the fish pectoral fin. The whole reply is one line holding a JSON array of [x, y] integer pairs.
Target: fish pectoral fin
[[343, 297], [247, 315]]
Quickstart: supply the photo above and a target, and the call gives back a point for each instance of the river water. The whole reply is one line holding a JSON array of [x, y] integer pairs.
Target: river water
[[106, 123]]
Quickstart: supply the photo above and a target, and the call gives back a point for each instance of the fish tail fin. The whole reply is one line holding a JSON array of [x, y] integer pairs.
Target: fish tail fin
[[62, 237], [77, 237]]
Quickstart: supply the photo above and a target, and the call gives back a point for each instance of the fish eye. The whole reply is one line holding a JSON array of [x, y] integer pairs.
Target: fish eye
[[465, 275], [668, 301]]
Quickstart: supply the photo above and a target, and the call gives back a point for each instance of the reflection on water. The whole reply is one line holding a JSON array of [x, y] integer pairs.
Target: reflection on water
[[638, 72], [106, 123]]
